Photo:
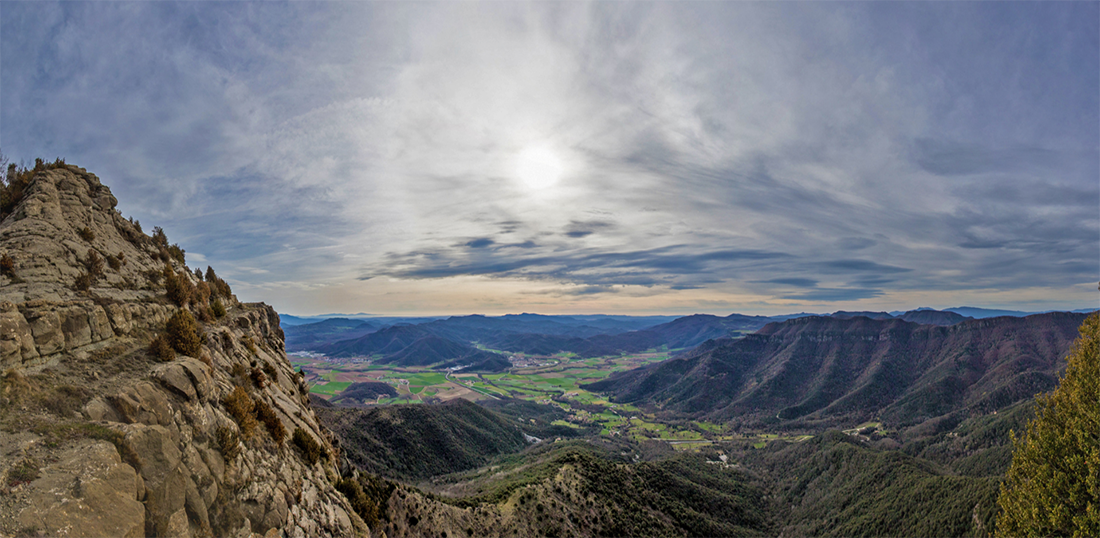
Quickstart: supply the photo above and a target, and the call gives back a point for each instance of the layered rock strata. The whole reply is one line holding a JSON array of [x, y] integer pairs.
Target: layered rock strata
[[100, 437]]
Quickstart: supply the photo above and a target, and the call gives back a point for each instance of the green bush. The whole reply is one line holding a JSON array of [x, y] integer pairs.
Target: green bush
[[311, 451], [217, 286], [363, 505], [179, 289], [87, 234], [204, 314], [218, 309], [240, 407], [113, 262], [17, 181], [184, 333], [161, 349], [202, 293], [159, 237], [176, 253], [270, 420], [223, 289]]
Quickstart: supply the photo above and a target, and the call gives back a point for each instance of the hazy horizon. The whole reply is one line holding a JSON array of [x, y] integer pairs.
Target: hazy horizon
[[647, 314], [659, 158]]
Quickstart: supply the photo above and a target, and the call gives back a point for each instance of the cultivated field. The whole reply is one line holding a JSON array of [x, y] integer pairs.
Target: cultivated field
[[545, 380]]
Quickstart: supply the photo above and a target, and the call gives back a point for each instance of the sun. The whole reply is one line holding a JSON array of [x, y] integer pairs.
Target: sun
[[539, 167]]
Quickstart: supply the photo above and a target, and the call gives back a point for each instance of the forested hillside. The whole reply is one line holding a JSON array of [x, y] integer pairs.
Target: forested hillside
[[827, 370]]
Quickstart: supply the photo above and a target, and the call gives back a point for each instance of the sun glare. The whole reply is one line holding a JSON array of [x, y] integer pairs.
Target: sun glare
[[538, 167]]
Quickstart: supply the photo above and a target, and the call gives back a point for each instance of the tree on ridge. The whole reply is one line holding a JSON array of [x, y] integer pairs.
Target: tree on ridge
[[1053, 485]]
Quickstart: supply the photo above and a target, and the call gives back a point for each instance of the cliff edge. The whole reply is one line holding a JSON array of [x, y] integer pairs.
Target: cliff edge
[[139, 397]]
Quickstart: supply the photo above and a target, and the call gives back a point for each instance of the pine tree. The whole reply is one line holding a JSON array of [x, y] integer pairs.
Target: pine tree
[[1053, 485]]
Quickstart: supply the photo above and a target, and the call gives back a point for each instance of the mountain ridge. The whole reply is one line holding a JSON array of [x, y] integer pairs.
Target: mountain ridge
[[818, 368]]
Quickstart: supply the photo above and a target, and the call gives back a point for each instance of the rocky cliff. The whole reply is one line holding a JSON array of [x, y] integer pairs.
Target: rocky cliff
[[138, 397]]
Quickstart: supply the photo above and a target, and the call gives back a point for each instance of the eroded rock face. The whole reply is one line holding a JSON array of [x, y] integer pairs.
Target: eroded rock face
[[88, 492], [98, 437], [65, 214]]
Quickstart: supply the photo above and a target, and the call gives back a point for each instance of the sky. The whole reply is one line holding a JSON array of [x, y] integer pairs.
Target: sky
[[568, 157]]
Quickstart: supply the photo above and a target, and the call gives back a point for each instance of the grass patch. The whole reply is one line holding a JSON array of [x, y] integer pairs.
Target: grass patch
[[24, 471], [331, 388]]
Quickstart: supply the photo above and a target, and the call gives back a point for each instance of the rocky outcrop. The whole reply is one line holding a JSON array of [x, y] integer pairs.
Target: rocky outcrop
[[98, 437]]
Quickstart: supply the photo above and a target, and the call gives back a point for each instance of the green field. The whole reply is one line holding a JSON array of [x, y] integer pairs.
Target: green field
[[556, 383]]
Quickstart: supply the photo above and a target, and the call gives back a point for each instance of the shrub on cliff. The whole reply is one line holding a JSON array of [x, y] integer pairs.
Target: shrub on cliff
[[202, 293], [360, 502], [258, 377], [179, 289], [161, 349], [217, 285], [229, 443], [93, 264], [184, 333], [93, 269], [270, 420], [240, 404], [176, 253], [217, 308], [311, 451], [159, 237]]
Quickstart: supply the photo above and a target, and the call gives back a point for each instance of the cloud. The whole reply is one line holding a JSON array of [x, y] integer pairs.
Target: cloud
[[797, 282], [834, 294], [862, 153], [860, 266], [577, 229], [855, 243], [674, 265], [946, 158], [479, 243]]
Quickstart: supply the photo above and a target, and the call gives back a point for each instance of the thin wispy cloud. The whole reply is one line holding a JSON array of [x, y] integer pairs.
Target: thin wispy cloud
[[766, 157]]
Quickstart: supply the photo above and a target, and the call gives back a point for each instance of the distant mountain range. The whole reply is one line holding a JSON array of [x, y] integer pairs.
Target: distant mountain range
[[453, 338], [831, 368], [638, 322], [477, 341]]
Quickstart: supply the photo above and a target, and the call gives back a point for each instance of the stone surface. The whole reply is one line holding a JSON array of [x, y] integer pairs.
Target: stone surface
[[88, 492], [169, 474]]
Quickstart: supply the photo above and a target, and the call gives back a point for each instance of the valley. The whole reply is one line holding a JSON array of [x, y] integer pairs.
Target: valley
[[551, 381], [860, 424]]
